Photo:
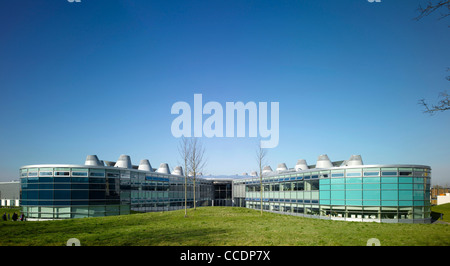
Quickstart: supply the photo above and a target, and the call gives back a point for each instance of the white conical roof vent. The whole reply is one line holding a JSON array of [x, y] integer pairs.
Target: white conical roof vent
[[163, 168], [93, 160], [281, 167], [124, 162], [145, 165], [354, 160], [323, 162], [301, 165], [178, 170], [254, 173], [267, 169], [244, 174]]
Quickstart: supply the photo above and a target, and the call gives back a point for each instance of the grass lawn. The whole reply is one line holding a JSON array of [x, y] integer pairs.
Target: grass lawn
[[221, 226]]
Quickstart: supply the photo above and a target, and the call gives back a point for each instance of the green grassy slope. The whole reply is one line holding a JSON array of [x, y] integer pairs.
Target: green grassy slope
[[220, 226]]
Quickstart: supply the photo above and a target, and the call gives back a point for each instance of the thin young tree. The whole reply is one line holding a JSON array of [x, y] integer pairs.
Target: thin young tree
[[261, 154], [184, 151], [196, 161]]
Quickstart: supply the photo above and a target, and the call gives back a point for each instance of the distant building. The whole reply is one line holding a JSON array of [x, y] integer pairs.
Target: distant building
[[443, 198], [10, 194]]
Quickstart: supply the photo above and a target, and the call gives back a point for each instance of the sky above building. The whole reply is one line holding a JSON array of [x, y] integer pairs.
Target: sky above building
[[100, 77]]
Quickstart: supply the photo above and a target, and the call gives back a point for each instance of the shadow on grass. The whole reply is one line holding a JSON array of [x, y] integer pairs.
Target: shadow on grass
[[435, 216]]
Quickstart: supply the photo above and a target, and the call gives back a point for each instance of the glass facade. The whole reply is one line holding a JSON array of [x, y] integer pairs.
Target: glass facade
[[76, 192], [364, 193]]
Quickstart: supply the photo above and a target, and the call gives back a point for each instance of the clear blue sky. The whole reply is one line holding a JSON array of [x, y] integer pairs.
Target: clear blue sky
[[100, 77]]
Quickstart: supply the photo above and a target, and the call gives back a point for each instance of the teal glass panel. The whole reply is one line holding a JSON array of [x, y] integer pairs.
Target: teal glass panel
[[371, 194], [324, 181], [389, 195], [405, 195], [353, 194], [419, 203], [337, 187], [371, 203], [405, 186], [354, 202], [389, 180], [324, 194], [419, 195], [418, 186], [405, 203], [389, 186], [337, 202], [337, 181], [337, 194], [371, 186], [371, 180], [353, 180], [418, 180], [322, 201], [353, 186], [405, 180], [325, 187], [389, 203]]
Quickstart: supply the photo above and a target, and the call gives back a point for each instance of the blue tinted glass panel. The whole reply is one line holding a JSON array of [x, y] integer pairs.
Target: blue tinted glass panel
[[62, 186], [79, 173], [375, 173], [45, 186], [46, 194], [62, 194], [98, 174], [80, 194], [353, 174], [80, 180], [80, 186], [62, 180], [385, 173]]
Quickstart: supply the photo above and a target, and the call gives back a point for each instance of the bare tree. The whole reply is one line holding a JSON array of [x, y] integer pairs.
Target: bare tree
[[261, 154], [442, 105], [196, 161], [444, 8], [432, 6], [184, 150]]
